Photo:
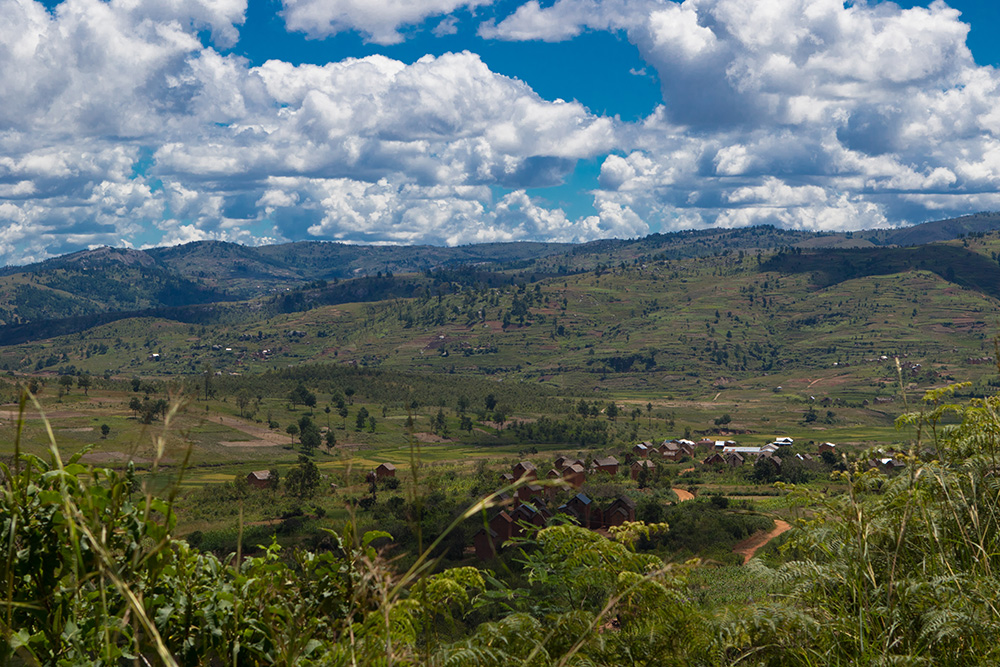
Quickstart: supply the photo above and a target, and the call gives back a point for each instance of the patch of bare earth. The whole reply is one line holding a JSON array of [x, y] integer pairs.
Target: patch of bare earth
[[752, 544], [262, 437], [253, 443], [429, 437], [33, 414], [113, 457], [683, 495]]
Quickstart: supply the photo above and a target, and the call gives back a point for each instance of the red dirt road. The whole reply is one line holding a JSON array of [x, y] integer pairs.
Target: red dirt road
[[749, 546], [683, 495]]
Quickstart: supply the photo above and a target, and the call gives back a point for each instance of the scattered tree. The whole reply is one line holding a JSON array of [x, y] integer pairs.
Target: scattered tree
[[302, 480]]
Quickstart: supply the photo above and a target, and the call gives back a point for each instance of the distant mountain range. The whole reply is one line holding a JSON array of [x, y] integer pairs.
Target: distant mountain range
[[107, 283]]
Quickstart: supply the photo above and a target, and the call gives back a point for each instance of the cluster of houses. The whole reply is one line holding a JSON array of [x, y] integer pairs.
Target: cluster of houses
[[728, 453], [528, 506]]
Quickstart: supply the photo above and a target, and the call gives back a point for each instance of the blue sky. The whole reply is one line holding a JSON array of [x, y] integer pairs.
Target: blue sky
[[145, 122]]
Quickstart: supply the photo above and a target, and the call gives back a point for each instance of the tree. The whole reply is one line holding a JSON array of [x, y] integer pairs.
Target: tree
[[466, 424], [83, 382], [371, 424], [765, 470], [242, 400], [309, 435], [361, 418], [499, 416], [302, 396], [349, 392], [292, 430], [149, 410], [490, 401], [583, 408], [302, 480], [105, 429], [612, 411], [439, 424], [134, 404], [463, 405], [66, 382], [343, 415], [331, 439]]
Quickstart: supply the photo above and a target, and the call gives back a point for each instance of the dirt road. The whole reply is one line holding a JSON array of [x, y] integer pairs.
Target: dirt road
[[683, 495], [750, 546]]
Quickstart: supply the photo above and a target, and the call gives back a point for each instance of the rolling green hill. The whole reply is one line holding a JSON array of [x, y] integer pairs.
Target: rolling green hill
[[828, 321]]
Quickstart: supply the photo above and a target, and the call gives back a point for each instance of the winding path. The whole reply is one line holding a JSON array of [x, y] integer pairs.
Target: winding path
[[750, 546]]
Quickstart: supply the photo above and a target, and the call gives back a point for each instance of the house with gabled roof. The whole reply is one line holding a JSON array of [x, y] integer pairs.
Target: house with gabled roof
[[485, 543], [580, 507], [620, 510], [565, 461], [671, 450], [643, 450], [532, 513], [488, 540], [731, 459], [259, 479], [575, 475], [530, 493], [638, 466], [525, 469], [608, 464]]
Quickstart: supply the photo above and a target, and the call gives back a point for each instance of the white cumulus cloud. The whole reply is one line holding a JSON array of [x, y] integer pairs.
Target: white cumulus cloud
[[378, 20]]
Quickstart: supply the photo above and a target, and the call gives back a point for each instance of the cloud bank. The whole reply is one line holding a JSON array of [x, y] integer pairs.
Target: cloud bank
[[129, 121], [801, 113]]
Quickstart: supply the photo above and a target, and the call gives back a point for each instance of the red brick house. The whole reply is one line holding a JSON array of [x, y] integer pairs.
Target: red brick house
[[530, 493], [731, 459], [490, 538], [608, 464], [671, 451], [642, 450], [528, 513], [566, 461], [259, 479], [619, 511], [575, 475], [638, 466], [579, 506], [525, 469]]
